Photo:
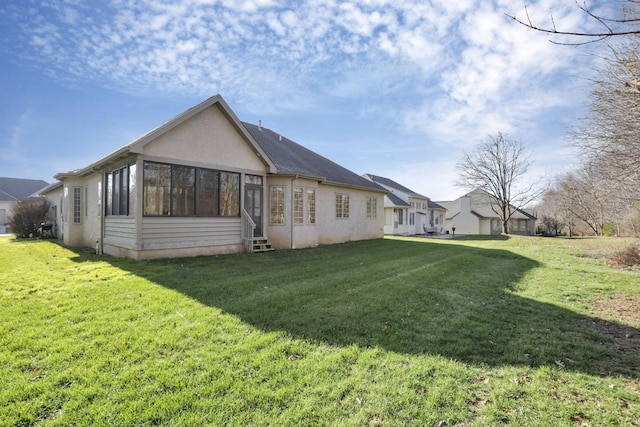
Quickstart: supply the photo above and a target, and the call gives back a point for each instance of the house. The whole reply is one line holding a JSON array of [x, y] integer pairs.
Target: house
[[12, 191], [407, 212], [472, 213], [206, 183]]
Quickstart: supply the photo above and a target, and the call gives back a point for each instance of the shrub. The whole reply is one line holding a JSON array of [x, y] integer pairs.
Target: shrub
[[609, 229], [27, 216], [627, 258]]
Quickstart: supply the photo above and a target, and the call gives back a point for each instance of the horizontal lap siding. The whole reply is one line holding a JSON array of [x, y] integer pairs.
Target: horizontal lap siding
[[120, 231], [174, 232]]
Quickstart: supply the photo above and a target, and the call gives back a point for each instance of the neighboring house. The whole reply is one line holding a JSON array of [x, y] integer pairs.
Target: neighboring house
[[407, 212], [473, 214], [12, 191], [206, 183]]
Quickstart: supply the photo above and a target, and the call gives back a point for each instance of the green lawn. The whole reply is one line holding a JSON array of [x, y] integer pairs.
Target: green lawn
[[399, 331]]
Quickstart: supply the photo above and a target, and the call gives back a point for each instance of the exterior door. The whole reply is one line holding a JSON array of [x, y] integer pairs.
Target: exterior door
[[253, 206]]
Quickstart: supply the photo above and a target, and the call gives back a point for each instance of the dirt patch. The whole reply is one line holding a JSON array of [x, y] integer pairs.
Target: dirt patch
[[618, 319], [621, 308]]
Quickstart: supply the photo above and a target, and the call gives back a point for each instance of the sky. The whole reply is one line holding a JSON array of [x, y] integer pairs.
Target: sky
[[401, 89]]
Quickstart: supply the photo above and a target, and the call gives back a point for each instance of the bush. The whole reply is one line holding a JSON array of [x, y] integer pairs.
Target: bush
[[609, 230], [27, 217], [628, 258]]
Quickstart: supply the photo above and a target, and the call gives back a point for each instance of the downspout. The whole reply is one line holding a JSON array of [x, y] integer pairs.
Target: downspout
[[101, 214], [293, 178]]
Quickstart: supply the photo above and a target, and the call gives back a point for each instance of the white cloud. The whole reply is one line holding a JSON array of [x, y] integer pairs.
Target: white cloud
[[445, 72], [16, 139]]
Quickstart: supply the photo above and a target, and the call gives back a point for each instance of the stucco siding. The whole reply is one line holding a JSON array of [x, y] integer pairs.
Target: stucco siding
[[55, 216], [207, 139], [288, 235], [92, 207], [328, 229], [305, 235], [332, 229], [6, 209], [485, 226], [466, 223], [81, 223]]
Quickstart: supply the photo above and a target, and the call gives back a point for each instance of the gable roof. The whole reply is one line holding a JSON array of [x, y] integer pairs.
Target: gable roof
[[389, 183], [279, 154], [137, 145], [17, 189], [434, 205], [487, 214], [397, 201], [483, 210], [291, 158]]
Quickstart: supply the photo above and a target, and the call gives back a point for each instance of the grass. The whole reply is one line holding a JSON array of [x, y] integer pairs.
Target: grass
[[400, 331]]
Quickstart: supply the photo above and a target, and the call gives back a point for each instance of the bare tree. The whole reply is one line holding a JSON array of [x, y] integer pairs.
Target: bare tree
[[608, 137], [584, 199], [550, 212], [605, 190], [627, 24], [498, 166], [609, 134]]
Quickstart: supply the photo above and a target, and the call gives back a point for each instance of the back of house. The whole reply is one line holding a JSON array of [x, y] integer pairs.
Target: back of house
[[407, 212], [206, 183], [474, 213]]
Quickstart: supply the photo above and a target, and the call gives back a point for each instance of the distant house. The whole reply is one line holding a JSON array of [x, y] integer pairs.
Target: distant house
[[12, 191], [472, 213], [206, 183], [407, 212]]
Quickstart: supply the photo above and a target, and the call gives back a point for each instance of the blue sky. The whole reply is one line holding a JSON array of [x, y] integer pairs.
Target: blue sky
[[394, 88]]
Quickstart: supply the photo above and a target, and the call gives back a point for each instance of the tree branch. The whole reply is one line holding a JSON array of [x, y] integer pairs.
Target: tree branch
[[592, 37]]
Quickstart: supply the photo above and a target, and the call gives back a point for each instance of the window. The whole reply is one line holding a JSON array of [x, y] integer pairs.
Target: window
[[253, 179], [77, 205], [207, 183], [229, 194], [276, 198], [372, 208], [388, 217], [133, 196], [174, 190], [156, 187], [121, 190], [117, 186], [518, 225], [298, 206], [342, 206], [400, 216], [183, 191], [311, 206], [109, 193]]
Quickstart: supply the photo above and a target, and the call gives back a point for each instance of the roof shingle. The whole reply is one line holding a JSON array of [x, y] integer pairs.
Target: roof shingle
[[386, 182], [17, 189], [292, 158]]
